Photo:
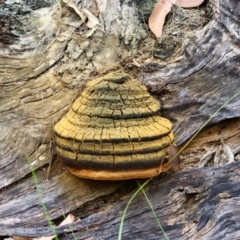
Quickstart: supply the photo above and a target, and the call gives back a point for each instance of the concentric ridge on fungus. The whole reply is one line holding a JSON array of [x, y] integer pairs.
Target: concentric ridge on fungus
[[113, 131]]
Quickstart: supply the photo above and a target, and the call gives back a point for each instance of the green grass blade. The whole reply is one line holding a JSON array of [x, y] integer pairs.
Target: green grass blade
[[70, 228], [201, 128], [40, 195], [145, 183], [153, 211], [126, 208]]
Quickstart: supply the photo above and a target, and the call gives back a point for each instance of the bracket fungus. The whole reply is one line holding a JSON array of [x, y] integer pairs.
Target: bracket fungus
[[113, 131]]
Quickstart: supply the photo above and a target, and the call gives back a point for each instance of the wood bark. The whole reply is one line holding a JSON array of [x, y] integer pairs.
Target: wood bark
[[46, 57]]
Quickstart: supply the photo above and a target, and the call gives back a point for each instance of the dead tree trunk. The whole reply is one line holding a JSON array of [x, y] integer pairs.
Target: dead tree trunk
[[47, 53]]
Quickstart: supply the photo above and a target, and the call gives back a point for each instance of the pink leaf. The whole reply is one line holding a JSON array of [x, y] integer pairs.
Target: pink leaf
[[189, 3], [157, 18]]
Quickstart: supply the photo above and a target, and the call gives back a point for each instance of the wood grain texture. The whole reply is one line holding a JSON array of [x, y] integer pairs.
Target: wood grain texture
[[43, 69], [196, 209], [208, 69], [21, 206]]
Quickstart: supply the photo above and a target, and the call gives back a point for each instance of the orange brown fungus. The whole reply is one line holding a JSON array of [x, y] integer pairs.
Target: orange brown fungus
[[113, 131]]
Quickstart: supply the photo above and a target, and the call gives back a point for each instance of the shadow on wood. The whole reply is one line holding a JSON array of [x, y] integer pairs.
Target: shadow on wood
[[46, 60]]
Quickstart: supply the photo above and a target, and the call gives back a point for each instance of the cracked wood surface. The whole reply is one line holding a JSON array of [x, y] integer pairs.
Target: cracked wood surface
[[196, 209], [43, 69]]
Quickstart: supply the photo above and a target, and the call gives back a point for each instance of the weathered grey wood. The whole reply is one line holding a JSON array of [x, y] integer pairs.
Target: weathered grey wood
[[42, 70], [208, 70], [198, 209], [21, 205]]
